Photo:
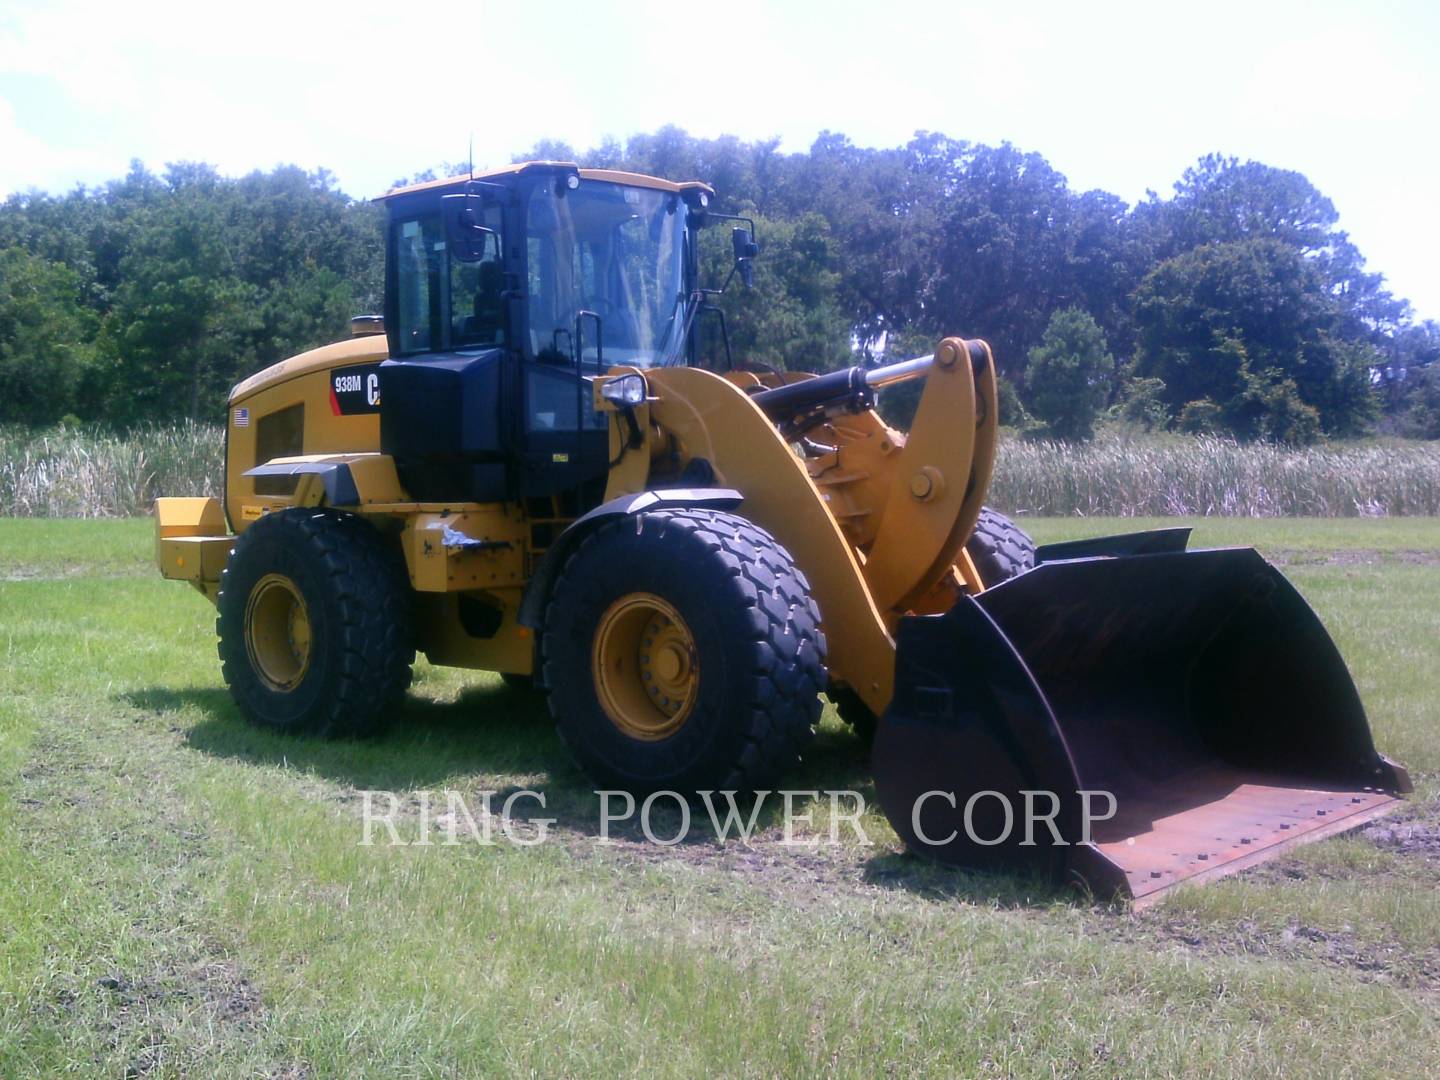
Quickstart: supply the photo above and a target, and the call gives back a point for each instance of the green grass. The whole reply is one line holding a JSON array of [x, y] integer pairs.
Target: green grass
[[186, 896]]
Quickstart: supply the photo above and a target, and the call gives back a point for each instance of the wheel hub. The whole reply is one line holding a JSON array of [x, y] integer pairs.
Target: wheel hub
[[277, 632], [646, 673]]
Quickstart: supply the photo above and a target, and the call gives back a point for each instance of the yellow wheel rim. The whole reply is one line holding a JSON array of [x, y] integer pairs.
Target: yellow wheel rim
[[277, 632], [645, 669]]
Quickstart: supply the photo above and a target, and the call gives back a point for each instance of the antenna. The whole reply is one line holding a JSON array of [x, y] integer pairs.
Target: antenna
[[472, 155]]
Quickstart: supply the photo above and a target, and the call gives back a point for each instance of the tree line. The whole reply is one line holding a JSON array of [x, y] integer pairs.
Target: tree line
[[1233, 305]]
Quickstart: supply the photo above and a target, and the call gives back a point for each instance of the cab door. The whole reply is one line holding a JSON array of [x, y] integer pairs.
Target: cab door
[[564, 440]]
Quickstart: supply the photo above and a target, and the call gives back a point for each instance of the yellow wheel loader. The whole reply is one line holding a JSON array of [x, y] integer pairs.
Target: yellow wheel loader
[[526, 468]]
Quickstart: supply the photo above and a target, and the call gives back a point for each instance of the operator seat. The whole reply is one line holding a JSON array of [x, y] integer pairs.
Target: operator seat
[[485, 325]]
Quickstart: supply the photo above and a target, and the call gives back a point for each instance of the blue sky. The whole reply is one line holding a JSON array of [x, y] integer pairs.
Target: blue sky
[[1120, 96]]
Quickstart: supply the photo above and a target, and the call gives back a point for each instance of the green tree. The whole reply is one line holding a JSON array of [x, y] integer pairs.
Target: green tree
[[1421, 417], [174, 340], [792, 318], [1246, 324], [1068, 374], [1142, 404], [46, 339]]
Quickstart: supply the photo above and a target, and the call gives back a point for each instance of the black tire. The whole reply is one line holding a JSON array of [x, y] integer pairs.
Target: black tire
[[357, 617], [999, 548], [755, 642]]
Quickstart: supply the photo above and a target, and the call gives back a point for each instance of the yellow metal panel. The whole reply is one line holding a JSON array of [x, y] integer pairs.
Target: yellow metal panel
[[188, 517], [191, 541], [194, 558], [359, 350], [302, 380], [375, 478], [439, 562], [922, 528], [714, 419], [444, 641]]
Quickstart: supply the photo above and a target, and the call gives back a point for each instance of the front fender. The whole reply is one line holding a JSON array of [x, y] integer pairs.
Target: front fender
[[537, 592]]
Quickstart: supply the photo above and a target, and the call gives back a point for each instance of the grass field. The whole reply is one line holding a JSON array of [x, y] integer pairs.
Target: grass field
[[183, 896]]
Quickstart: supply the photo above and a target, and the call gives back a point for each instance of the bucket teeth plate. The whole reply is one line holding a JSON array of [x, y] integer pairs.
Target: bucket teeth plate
[[1213, 822]]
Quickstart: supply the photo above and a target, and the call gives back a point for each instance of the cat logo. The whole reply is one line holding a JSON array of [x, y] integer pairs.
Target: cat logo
[[355, 390]]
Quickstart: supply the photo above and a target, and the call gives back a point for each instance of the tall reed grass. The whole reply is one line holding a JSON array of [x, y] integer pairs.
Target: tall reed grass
[[83, 472], [77, 472], [1202, 476]]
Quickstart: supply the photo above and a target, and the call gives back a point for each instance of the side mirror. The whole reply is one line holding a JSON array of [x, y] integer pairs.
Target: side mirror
[[465, 227], [745, 247]]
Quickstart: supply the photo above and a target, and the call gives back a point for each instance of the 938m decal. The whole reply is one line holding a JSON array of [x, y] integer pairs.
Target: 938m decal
[[355, 390]]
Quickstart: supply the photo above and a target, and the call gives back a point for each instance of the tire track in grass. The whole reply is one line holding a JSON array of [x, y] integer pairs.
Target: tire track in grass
[[131, 983]]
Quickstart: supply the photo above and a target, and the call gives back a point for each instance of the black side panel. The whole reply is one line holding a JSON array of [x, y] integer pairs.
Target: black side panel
[[440, 421], [336, 477], [1153, 662], [1155, 542]]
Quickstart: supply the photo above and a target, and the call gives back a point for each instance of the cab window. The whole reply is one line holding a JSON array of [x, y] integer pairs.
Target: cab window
[[445, 302]]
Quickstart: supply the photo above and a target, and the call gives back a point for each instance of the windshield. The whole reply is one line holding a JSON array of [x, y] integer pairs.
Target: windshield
[[614, 250]]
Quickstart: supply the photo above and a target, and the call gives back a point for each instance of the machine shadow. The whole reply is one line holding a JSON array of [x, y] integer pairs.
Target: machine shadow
[[494, 738], [906, 872], [502, 739], [484, 730]]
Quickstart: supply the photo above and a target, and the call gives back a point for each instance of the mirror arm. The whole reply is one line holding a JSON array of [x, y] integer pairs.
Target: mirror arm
[[724, 334]]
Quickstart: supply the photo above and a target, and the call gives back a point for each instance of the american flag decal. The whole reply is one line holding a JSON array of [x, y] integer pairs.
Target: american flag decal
[[242, 417]]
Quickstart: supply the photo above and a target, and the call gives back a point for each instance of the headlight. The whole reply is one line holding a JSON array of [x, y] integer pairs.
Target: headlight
[[626, 390]]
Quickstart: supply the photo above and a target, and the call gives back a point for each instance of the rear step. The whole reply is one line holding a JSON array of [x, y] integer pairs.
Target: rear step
[[1198, 689]]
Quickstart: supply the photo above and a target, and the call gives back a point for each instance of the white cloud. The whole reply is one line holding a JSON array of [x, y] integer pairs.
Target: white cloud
[[28, 161]]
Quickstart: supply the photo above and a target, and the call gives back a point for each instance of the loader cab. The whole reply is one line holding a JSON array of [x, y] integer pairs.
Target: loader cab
[[506, 295]]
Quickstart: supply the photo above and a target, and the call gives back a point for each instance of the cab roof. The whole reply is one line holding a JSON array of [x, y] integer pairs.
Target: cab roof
[[607, 175]]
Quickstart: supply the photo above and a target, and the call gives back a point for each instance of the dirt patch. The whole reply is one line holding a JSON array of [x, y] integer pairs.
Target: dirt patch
[[1351, 557], [1373, 961], [217, 986], [1416, 834], [66, 573], [801, 874]]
